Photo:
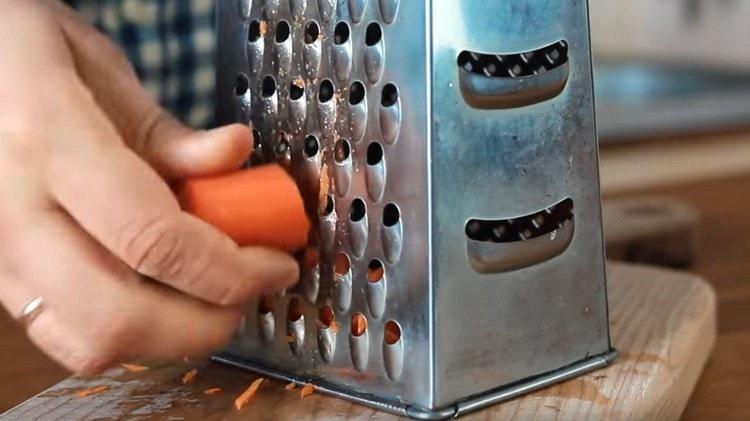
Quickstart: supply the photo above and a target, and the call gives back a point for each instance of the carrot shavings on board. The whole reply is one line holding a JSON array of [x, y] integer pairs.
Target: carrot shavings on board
[[306, 391], [248, 394], [290, 386], [212, 391], [134, 368], [92, 391], [189, 376]]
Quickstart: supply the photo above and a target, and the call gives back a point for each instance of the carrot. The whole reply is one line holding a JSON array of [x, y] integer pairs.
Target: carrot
[[212, 391], [92, 391], [375, 274], [307, 390], [290, 386], [325, 188], [259, 206], [248, 394], [134, 368], [189, 376], [359, 324]]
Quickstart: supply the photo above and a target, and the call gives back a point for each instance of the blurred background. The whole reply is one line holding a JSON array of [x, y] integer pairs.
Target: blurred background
[[672, 80]]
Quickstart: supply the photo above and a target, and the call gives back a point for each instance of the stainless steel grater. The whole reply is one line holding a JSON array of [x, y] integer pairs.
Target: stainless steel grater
[[452, 145]]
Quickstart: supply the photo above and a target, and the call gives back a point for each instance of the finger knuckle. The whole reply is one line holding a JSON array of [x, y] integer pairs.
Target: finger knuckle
[[163, 250], [156, 248]]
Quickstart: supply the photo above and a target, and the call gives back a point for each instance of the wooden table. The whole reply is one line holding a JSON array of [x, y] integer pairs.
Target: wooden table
[[663, 322]]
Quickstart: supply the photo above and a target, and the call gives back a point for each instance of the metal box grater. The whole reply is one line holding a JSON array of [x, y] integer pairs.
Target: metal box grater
[[460, 254]]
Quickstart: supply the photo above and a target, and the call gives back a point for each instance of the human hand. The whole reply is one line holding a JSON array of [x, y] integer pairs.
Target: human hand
[[88, 222]]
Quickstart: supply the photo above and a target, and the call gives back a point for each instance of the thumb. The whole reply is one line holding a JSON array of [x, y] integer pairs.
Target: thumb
[[173, 149]]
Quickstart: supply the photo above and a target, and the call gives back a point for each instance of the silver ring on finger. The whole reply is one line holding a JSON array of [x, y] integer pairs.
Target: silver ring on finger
[[31, 311]]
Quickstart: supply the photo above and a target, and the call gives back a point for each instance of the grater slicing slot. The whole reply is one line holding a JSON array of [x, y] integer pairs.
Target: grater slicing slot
[[504, 245], [501, 81]]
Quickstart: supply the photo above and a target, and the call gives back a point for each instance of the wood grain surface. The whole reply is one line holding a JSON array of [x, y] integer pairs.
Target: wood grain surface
[[663, 322]]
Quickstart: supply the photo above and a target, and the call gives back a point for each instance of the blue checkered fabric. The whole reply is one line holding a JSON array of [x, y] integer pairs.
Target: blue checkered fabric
[[171, 44]]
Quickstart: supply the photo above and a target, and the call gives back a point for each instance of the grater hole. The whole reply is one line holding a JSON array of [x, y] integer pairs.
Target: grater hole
[[241, 84], [521, 228], [268, 88], [296, 309], [330, 206], [265, 305], [254, 31], [356, 93], [389, 96], [515, 65], [326, 316], [375, 271], [312, 146], [341, 33], [391, 215], [311, 260], [283, 31], [374, 154], [312, 32], [342, 264], [342, 150], [326, 91], [358, 210], [359, 325], [374, 34], [392, 333], [296, 89]]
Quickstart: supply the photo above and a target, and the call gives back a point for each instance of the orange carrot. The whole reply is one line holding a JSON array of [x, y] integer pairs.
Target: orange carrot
[[375, 274], [290, 386], [307, 390], [260, 206], [189, 376], [359, 324], [134, 368], [92, 391], [248, 394], [212, 391]]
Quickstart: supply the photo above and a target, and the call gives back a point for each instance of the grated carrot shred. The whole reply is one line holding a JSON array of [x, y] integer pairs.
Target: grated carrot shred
[[189, 376], [307, 390], [212, 391], [92, 391], [290, 386], [248, 394], [134, 368]]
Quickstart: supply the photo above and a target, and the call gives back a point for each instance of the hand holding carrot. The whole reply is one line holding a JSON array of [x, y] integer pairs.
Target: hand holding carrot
[[87, 221]]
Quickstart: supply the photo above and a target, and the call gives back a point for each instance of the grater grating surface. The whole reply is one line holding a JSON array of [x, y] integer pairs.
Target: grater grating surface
[[418, 256]]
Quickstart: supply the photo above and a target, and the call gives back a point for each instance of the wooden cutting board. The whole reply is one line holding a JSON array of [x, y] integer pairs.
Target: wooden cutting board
[[663, 323]]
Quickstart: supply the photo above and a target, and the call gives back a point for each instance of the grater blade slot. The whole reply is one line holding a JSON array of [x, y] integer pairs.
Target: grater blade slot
[[502, 245], [499, 81]]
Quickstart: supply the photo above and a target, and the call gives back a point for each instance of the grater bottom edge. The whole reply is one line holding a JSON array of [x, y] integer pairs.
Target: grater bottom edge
[[463, 407]]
